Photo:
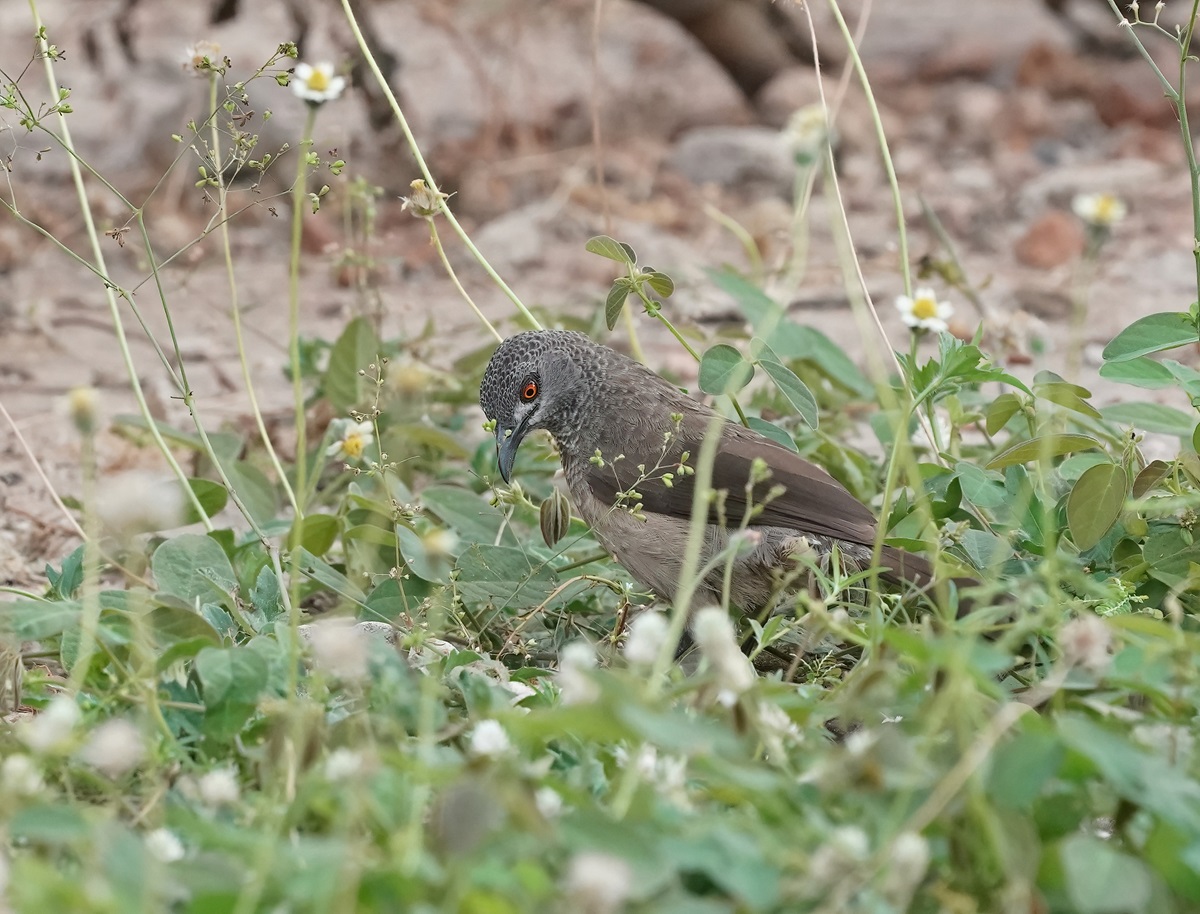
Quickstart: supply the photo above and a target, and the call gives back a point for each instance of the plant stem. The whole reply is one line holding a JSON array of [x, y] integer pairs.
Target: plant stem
[[298, 203]]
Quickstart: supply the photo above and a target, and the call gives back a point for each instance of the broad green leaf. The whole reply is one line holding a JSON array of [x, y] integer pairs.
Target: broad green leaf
[[1152, 417], [355, 349], [979, 487], [1153, 333], [231, 674], [317, 533], [193, 568], [1102, 880], [67, 581], [1045, 446], [1148, 478], [254, 489], [615, 301], [612, 249], [763, 312], [723, 370], [467, 513], [1067, 395], [661, 283], [169, 624], [369, 533], [1095, 503], [324, 573], [435, 569], [772, 431], [791, 386], [1003, 408], [1138, 372], [32, 620], [212, 497], [503, 577]]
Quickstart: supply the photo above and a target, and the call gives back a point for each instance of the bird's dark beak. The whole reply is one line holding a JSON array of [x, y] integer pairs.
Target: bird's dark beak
[[507, 442]]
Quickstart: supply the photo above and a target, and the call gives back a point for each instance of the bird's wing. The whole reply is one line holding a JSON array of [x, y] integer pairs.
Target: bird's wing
[[812, 501]]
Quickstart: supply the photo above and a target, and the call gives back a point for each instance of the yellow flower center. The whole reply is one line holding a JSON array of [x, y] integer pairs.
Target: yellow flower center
[[1106, 209], [925, 308], [318, 82], [353, 445]]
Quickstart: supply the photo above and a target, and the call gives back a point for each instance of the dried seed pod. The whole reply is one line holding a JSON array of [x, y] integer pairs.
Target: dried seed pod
[[555, 517]]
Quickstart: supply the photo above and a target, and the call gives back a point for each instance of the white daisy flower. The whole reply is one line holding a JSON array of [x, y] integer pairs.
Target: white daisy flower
[[575, 663], [317, 84], [714, 635], [646, 636], [353, 439], [923, 311], [201, 58], [219, 788], [1099, 210], [51, 730]]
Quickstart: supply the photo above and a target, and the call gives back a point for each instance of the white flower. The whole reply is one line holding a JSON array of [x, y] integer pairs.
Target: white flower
[[140, 502], [83, 405], [549, 802], [317, 84], [114, 748], [923, 311], [489, 740], [575, 663], [1086, 642], [353, 439], [200, 58], [907, 864], [847, 846], [1099, 210], [717, 641], [598, 883], [340, 648], [343, 764], [440, 542], [20, 775], [647, 633], [218, 788], [806, 132], [51, 730], [164, 846]]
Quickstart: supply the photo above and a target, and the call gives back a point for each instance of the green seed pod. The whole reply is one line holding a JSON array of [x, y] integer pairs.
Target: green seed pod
[[555, 517]]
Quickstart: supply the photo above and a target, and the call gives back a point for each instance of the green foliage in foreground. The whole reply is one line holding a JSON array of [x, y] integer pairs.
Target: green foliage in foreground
[[1038, 755]]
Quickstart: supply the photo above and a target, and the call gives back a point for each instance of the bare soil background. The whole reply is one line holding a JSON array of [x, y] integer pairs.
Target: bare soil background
[[997, 111]]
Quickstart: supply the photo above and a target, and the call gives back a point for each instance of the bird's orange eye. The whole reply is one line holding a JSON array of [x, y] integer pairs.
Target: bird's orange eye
[[530, 390]]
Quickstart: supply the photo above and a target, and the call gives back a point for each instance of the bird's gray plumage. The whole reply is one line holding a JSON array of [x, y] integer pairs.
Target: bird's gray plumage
[[594, 400]]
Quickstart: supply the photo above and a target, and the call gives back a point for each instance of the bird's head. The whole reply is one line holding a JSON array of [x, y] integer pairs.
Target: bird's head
[[538, 379]]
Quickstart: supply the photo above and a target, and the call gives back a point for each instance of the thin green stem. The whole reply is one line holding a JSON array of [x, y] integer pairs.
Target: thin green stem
[[98, 255], [235, 308], [298, 204], [436, 240], [398, 113]]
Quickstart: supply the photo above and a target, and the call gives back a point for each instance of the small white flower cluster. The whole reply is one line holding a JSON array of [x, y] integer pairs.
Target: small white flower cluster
[[647, 634], [718, 644], [344, 764], [218, 788], [549, 802], [340, 648], [598, 883], [139, 502], [115, 748], [847, 846], [923, 312], [20, 775], [667, 774], [907, 863], [351, 439], [1086, 642], [489, 740], [53, 729], [317, 84], [575, 664], [164, 845]]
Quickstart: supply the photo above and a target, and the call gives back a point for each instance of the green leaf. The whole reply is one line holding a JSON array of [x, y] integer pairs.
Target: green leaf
[[32, 620], [773, 431], [1153, 333], [615, 301], [979, 487], [212, 497], [1102, 880], [1070, 396], [612, 249], [324, 573], [794, 389], [1042, 447], [661, 283], [317, 533], [234, 675], [723, 370], [69, 579], [355, 349], [1148, 478], [1138, 372], [468, 514], [1152, 417], [254, 489], [428, 568], [193, 568], [369, 533], [1095, 503], [503, 577], [1003, 408]]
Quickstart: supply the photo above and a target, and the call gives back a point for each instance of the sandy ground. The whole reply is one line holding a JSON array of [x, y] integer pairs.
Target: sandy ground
[[997, 113]]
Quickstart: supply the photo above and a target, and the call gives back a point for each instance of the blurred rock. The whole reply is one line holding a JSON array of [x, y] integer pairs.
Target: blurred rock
[[786, 93], [751, 158], [1054, 239]]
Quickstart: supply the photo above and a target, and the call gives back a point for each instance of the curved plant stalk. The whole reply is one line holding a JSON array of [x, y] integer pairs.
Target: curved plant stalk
[[298, 194], [425, 172]]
